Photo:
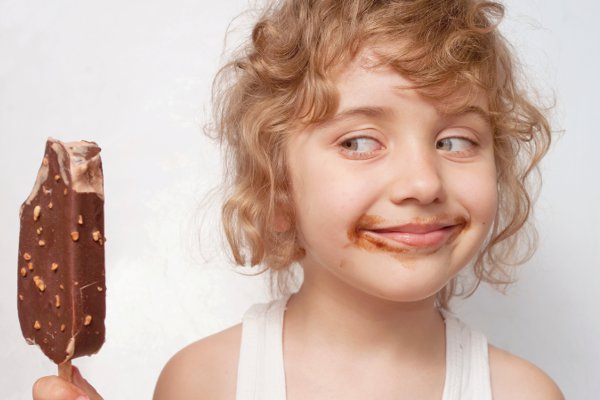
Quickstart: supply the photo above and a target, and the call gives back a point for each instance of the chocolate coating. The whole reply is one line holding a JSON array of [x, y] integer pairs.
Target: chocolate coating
[[61, 277]]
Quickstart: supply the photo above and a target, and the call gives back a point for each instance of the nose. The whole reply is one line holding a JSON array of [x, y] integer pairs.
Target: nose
[[416, 177]]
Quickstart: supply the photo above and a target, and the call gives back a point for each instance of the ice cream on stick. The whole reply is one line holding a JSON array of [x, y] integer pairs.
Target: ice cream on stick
[[61, 281]]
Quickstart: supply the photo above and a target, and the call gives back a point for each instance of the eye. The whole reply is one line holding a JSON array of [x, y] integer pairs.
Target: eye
[[455, 144], [360, 147]]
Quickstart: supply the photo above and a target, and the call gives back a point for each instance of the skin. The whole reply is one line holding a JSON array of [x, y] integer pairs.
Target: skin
[[55, 388], [365, 313], [396, 177]]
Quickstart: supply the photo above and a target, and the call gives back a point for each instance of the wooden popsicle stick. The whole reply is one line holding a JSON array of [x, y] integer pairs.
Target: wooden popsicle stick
[[65, 371]]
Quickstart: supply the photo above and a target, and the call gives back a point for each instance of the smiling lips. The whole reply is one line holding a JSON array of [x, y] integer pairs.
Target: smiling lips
[[415, 235], [412, 237]]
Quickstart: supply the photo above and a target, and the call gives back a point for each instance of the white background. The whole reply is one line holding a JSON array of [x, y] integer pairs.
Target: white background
[[135, 76]]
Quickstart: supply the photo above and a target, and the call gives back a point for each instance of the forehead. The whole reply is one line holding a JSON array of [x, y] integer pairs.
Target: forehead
[[368, 77]]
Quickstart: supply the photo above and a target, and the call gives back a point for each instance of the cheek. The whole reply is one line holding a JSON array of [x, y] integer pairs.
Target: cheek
[[478, 193], [328, 203]]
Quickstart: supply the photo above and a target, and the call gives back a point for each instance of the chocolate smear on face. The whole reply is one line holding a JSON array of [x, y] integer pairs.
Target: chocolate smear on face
[[359, 237]]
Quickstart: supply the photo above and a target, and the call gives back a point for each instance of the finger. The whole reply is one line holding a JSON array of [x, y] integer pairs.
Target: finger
[[85, 385], [55, 388]]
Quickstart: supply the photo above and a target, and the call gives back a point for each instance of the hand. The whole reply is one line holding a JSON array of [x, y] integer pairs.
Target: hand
[[55, 388]]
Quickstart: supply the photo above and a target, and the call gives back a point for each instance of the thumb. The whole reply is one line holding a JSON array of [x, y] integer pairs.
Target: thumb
[[55, 388]]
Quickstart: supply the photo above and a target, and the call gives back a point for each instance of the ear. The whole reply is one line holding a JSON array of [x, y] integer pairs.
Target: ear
[[281, 222]]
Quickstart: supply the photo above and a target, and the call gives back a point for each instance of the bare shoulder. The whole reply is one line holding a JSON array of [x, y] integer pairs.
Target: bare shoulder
[[206, 369], [515, 378]]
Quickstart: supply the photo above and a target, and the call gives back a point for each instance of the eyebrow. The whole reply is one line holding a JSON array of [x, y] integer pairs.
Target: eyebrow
[[386, 112], [365, 111], [484, 115]]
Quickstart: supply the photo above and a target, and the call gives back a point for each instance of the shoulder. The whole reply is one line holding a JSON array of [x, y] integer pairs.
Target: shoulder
[[515, 378], [206, 369]]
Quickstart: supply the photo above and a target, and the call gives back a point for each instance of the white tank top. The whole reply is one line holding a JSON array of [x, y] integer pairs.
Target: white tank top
[[261, 374]]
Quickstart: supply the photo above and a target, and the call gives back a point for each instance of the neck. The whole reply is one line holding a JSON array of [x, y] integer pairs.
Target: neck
[[328, 312]]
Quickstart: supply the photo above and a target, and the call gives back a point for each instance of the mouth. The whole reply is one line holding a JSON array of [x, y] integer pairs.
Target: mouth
[[413, 237]]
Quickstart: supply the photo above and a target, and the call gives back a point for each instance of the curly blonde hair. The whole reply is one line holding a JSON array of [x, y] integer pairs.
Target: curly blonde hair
[[283, 79]]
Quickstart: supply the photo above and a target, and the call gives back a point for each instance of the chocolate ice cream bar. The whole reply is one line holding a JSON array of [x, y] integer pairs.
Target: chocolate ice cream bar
[[61, 282]]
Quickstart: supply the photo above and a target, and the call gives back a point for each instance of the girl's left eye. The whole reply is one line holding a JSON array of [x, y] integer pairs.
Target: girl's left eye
[[454, 144], [360, 146]]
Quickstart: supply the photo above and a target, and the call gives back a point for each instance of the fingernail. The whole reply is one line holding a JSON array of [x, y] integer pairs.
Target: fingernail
[[83, 398]]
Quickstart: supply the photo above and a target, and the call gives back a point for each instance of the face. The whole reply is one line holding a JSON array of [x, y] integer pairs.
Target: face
[[393, 195]]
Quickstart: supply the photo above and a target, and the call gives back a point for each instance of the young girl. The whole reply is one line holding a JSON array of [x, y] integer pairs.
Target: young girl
[[384, 146]]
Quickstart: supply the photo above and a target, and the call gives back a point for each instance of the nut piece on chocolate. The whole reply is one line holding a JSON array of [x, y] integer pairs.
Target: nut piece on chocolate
[[61, 284]]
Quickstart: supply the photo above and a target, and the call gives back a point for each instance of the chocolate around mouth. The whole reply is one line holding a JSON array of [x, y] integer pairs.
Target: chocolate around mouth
[[359, 234], [372, 243]]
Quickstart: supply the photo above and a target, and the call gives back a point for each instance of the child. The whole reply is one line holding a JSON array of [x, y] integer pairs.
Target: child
[[384, 146]]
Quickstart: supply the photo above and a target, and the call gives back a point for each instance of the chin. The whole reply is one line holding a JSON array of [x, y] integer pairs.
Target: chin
[[404, 291]]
